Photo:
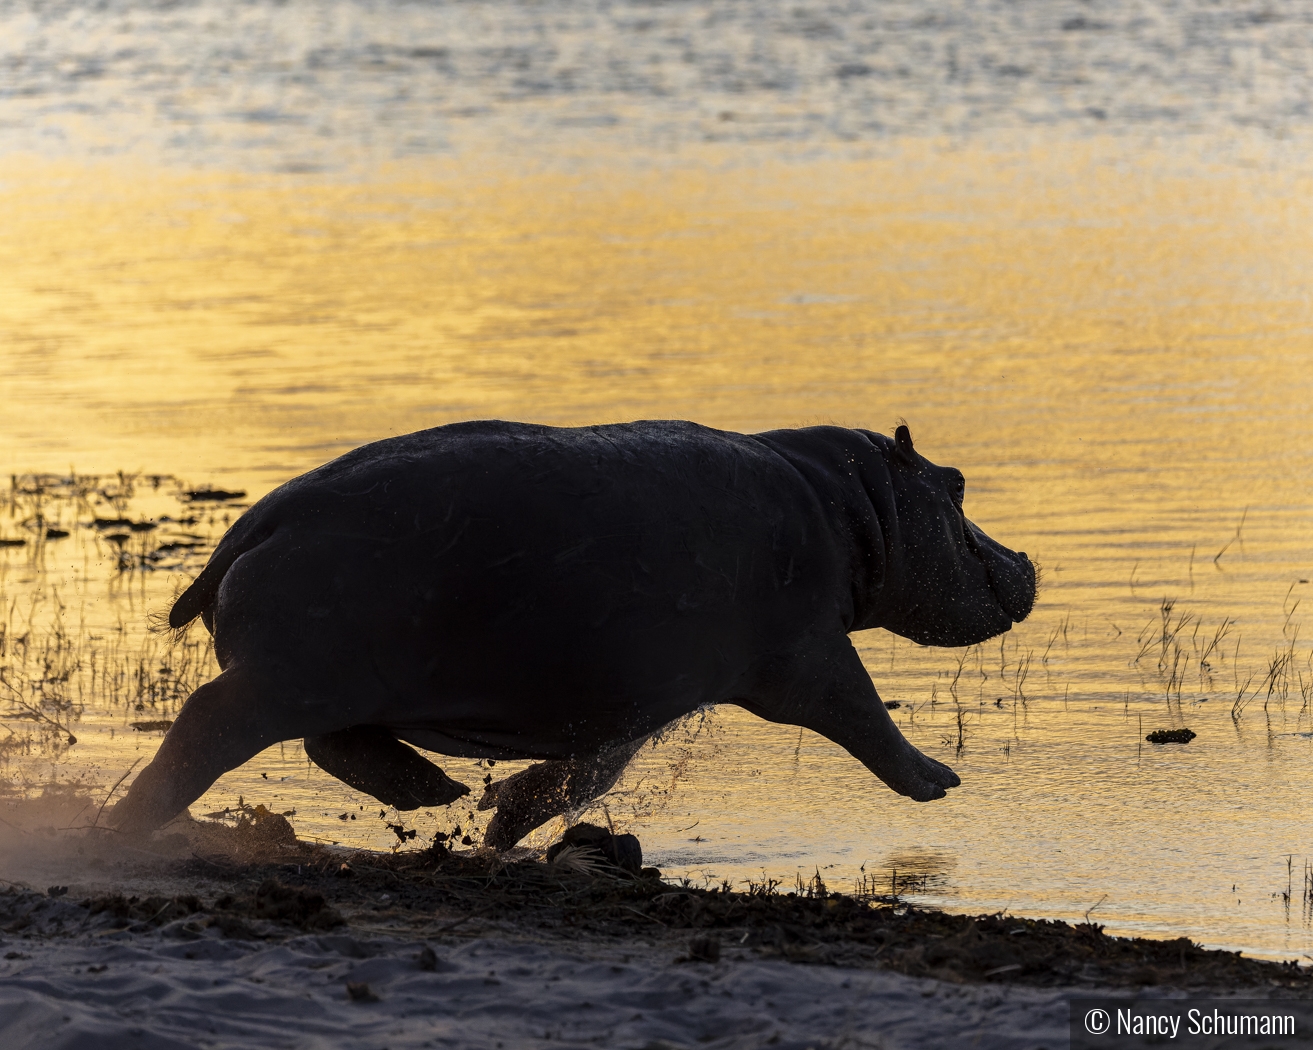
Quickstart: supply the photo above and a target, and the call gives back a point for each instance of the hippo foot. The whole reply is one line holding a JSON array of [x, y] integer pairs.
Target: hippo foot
[[136, 816], [525, 801], [916, 775], [371, 759], [533, 796]]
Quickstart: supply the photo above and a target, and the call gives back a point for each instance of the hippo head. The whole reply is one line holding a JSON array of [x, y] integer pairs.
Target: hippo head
[[946, 582]]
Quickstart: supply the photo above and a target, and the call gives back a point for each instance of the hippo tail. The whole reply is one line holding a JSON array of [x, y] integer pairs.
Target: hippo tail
[[192, 602]]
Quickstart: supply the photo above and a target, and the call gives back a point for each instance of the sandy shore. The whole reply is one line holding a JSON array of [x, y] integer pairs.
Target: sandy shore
[[116, 989], [244, 937]]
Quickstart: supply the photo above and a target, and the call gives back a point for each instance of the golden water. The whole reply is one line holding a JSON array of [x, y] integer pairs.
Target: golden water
[[1114, 342]]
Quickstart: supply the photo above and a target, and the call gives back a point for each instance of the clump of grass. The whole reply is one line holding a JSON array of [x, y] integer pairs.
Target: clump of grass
[[1213, 646], [870, 886], [1307, 897], [50, 675], [813, 887], [767, 887], [957, 673], [1283, 673]]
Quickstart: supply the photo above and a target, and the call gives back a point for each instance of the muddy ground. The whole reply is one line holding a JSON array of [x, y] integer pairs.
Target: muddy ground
[[256, 881]]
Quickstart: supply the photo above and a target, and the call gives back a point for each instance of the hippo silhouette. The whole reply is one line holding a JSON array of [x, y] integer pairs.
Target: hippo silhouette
[[509, 591]]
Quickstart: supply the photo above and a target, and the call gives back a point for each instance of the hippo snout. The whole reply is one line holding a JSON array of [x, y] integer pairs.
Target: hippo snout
[[1016, 590], [1011, 578], [1012, 575]]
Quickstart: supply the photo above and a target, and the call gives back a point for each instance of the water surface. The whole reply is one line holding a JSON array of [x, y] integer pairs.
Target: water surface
[[230, 254]]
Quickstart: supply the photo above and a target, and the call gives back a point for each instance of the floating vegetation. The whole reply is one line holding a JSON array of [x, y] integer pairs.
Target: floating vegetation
[[1171, 736], [1180, 641], [178, 545], [97, 512]]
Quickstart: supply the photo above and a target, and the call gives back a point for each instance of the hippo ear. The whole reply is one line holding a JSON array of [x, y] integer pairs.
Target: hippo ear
[[903, 441]]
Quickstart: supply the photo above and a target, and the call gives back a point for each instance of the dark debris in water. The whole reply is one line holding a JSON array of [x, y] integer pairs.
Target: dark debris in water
[[212, 495], [156, 726], [402, 833], [1171, 736], [178, 545]]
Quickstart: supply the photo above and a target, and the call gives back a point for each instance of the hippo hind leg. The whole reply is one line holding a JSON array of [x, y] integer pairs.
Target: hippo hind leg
[[224, 723], [372, 760], [533, 796]]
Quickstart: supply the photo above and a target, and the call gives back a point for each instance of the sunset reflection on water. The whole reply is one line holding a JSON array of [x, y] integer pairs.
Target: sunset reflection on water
[[1112, 344]]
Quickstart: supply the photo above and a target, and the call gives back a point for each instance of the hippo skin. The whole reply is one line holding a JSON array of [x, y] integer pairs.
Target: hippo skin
[[510, 591]]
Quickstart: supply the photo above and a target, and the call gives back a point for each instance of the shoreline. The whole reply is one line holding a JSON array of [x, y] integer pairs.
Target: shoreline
[[245, 936]]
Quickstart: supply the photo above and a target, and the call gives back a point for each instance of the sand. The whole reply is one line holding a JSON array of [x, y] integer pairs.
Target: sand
[[101, 988], [219, 936]]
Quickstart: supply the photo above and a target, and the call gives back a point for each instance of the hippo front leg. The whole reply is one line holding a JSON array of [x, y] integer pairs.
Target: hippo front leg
[[827, 690]]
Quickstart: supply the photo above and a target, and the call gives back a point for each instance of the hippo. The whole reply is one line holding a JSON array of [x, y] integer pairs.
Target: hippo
[[502, 590]]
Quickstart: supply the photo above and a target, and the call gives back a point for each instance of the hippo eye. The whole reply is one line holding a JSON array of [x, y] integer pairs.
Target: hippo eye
[[958, 487]]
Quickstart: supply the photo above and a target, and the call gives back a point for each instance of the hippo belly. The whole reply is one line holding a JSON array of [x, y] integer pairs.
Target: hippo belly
[[530, 612]]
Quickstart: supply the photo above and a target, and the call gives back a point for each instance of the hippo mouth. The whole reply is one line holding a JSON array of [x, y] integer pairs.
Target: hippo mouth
[[1012, 575]]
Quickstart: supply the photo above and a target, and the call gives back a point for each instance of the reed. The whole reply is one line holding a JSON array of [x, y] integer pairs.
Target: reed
[[51, 671], [1307, 897], [1019, 675], [1234, 539], [1213, 646]]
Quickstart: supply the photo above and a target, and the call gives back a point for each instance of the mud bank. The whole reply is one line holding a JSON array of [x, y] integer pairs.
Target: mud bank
[[222, 935]]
